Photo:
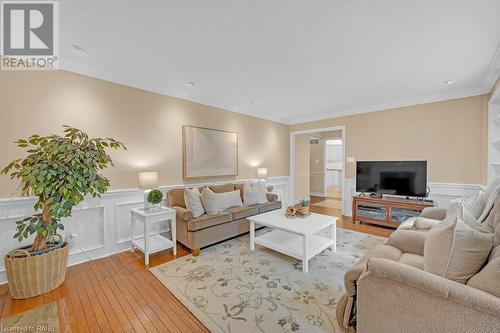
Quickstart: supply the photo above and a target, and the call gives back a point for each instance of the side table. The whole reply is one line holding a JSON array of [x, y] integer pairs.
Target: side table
[[152, 243]]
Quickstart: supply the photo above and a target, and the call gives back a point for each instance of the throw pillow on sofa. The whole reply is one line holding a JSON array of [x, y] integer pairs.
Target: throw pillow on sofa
[[474, 204], [193, 201], [456, 251], [488, 279], [254, 193], [215, 203]]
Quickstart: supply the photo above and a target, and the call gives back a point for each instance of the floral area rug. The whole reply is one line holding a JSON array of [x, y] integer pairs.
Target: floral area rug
[[231, 289]]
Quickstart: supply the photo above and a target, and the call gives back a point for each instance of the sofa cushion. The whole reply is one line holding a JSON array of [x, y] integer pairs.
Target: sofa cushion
[[456, 251], [176, 197], [222, 188], [193, 201], [478, 205], [413, 260], [254, 193], [209, 201], [215, 203], [268, 206], [495, 252], [491, 194], [206, 221], [228, 200], [410, 241], [488, 279], [242, 212]]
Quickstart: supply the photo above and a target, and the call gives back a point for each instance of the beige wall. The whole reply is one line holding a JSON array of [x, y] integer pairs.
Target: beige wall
[[449, 135], [302, 166], [149, 124]]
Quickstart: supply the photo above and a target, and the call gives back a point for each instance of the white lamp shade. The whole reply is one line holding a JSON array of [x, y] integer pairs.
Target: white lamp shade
[[262, 173], [148, 179]]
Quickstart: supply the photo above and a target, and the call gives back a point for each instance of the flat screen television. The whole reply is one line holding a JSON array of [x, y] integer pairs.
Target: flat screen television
[[405, 178]]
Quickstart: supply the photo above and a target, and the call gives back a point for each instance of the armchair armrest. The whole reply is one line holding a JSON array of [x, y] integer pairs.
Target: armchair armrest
[[434, 213], [393, 297]]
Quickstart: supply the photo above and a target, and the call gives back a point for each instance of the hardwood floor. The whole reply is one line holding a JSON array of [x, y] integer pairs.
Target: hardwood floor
[[113, 294], [119, 294]]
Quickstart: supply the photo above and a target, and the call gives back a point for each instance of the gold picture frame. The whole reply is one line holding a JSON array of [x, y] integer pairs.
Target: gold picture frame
[[209, 153]]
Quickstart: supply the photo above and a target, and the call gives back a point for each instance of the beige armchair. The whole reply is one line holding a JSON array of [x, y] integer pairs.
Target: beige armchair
[[389, 291], [394, 297]]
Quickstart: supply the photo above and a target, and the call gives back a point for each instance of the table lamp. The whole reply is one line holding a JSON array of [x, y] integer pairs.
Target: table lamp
[[148, 180], [262, 173]]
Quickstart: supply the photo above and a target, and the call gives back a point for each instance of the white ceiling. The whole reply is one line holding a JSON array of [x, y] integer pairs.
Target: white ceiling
[[296, 60]]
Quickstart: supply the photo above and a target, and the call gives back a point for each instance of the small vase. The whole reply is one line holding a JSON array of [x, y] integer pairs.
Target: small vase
[[154, 207], [304, 210]]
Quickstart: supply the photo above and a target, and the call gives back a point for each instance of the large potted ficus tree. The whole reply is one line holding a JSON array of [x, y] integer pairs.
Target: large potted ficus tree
[[59, 171]]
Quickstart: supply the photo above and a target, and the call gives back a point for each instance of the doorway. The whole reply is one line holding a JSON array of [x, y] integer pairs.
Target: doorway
[[333, 171], [317, 164]]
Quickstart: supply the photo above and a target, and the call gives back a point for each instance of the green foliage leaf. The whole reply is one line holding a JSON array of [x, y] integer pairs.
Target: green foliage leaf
[[60, 171], [155, 196]]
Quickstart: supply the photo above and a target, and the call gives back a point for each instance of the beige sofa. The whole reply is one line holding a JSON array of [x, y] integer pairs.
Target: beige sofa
[[196, 233], [389, 291]]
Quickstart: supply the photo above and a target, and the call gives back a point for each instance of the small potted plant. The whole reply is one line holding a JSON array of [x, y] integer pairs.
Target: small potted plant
[[59, 171], [304, 206], [154, 198]]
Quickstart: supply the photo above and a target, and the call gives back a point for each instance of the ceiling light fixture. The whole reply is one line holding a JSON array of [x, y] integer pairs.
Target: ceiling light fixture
[[449, 82], [190, 84], [78, 48], [250, 103]]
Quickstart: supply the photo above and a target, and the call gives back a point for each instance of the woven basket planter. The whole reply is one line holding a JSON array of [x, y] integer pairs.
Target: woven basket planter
[[32, 276]]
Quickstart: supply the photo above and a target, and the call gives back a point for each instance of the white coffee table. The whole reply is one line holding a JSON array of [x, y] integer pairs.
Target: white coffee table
[[294, 237]]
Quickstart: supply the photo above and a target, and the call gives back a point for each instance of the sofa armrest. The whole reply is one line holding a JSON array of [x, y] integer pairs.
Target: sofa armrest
[[183, 213], [434, 213], [393, 297], [182, 216], [271, 197]]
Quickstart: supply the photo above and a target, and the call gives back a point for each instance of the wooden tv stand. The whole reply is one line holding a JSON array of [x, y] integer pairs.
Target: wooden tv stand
[[385, 211]]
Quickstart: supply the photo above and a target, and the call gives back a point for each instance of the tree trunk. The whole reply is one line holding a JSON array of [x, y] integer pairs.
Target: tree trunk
[[40, 242]]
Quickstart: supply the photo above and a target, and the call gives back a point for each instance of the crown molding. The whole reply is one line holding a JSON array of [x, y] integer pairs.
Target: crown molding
[[121, 79], [493, 70]]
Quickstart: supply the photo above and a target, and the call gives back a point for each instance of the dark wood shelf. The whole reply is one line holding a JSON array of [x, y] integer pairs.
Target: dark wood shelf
[[386, 204]]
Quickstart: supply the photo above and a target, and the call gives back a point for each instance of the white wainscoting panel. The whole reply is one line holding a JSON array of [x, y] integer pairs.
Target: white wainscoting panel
[[102, 225], [441, 193]]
